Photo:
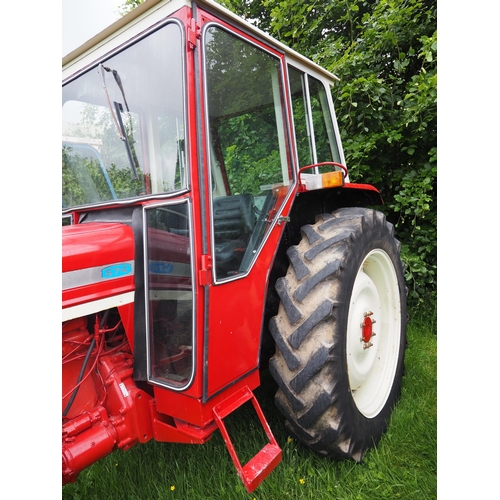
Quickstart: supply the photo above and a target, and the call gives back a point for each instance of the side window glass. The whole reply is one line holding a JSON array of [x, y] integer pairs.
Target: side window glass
[[249, 159], [324, 133], [300, 117], [170, 298], [314, 129], [123, 124]]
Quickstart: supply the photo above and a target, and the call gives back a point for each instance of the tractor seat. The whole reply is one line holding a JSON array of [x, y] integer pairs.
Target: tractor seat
[[234, 220]]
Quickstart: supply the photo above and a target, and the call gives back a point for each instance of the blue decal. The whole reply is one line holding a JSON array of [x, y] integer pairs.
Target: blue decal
[[116, 271], [161, 267]]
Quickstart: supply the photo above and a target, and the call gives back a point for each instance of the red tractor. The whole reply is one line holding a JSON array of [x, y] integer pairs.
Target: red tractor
[[210, 231]]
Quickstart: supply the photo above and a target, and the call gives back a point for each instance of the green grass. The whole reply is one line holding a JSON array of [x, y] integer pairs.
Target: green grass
[[404, 465]]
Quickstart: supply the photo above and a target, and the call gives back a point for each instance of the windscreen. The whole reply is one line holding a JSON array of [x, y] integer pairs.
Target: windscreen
[[123, 124]]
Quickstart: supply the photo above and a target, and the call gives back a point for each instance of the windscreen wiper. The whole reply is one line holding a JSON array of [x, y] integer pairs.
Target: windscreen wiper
[[117, 117]]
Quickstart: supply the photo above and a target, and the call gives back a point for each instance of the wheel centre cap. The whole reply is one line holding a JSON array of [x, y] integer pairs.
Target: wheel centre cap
[[367, 329]]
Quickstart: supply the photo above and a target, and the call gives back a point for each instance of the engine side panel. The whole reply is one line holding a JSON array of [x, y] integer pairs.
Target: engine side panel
[[97, 268]]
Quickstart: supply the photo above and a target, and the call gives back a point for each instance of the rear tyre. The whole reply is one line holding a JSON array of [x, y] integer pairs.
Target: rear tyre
[[340, 333]]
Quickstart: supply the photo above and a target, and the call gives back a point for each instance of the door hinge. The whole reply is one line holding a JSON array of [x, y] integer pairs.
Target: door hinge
[[205, 271], [193, 34]]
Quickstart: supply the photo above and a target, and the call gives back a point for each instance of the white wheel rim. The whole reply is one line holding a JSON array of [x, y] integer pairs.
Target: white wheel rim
[[371, 369]]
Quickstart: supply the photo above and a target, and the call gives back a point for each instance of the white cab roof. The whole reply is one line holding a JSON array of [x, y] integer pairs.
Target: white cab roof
[[153, 11]]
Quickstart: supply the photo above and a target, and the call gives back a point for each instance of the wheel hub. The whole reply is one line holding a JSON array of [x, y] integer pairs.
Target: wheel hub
[[367, 330]]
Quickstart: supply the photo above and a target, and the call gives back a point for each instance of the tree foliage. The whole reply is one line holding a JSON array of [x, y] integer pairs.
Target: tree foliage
[[129, 5]]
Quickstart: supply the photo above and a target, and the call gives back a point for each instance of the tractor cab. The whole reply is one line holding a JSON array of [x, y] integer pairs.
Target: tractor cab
[[180, 125]]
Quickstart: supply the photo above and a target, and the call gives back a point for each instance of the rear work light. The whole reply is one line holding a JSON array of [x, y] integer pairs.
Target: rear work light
[[311, 182]]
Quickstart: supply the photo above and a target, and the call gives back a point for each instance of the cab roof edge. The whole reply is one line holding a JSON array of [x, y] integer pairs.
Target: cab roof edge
[[211, 4], [109, 30], [266, 36]]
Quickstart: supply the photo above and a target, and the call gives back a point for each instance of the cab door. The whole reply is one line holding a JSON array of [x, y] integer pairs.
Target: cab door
[[250, 182]]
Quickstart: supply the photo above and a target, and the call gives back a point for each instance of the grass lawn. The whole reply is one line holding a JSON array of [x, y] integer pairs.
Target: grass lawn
[[404, 465]]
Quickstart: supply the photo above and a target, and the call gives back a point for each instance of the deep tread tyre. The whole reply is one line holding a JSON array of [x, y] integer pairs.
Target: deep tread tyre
[[335, 390]]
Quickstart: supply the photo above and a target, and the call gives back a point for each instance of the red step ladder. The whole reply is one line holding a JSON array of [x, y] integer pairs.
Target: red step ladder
[[261, 465]]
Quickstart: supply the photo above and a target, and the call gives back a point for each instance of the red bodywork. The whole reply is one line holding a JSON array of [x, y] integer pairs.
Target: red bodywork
[[103, 408], [109, 411], [98, 247]]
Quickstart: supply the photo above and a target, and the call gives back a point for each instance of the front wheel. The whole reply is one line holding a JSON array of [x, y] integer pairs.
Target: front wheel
[[340, 333]]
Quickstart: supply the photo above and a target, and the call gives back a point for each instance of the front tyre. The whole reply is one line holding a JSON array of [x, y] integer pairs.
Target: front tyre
[[340, 332]]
